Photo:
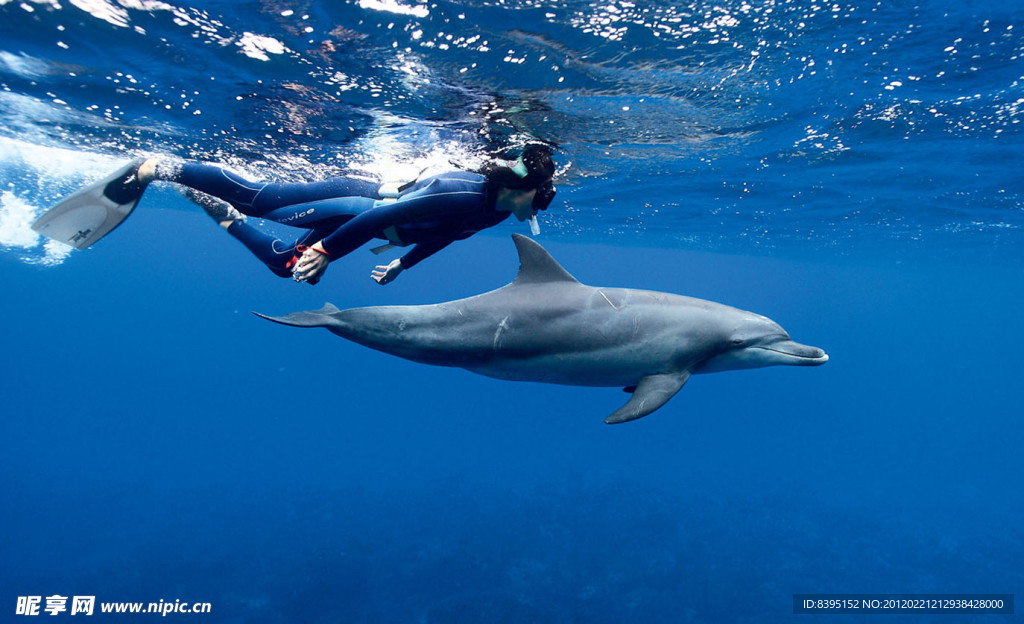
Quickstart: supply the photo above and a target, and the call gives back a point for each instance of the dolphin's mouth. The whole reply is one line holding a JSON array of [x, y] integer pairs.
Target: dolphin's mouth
[[798, 353]]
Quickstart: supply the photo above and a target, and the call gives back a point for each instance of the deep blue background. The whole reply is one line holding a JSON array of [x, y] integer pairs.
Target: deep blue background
[[161, 442], [850, 169]]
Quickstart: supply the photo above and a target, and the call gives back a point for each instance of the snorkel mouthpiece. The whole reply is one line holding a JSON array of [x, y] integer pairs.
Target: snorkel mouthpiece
[[534, 226]]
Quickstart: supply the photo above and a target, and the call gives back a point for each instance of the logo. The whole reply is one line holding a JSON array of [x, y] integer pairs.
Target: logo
[[81, 234], [301, 215]]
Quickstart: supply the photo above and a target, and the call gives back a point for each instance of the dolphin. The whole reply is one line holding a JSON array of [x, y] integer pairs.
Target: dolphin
[[546, 326]]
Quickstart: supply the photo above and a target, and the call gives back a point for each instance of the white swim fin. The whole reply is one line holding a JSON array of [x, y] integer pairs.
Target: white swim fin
[[92, 212]]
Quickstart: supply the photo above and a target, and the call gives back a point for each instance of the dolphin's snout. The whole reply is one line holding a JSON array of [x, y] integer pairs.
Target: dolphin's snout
[[798, 354]]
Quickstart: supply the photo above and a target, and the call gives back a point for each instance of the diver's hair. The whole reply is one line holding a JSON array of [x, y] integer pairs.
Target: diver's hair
[[539, 166]]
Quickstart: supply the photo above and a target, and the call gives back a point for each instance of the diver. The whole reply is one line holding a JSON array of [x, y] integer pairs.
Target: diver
[[339, 214]]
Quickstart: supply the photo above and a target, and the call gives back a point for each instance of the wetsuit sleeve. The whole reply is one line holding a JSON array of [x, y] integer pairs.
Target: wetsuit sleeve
[[422, 251]]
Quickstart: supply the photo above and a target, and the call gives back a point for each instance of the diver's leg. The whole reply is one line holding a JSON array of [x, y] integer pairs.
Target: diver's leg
[[254, 198], [277, 255], [276, 195], [333, 212], [219, 210], [325, 213], [271, 251]]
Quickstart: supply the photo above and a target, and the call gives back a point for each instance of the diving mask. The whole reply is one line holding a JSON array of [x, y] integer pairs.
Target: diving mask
[[545, 193]]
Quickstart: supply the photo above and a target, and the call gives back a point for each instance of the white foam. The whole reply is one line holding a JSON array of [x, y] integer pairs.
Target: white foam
[[16, 215], [258, 47], [55, 166], [390, 156], [54, 253], [146, 5], [23, 65], [390, 6], [101, 9]]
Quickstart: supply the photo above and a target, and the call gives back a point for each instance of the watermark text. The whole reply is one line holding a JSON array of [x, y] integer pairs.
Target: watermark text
[[87, 605]]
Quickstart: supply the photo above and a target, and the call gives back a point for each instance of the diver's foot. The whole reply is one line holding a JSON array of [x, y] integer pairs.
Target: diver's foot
[[219, 210], [147, 170], [128, 188]]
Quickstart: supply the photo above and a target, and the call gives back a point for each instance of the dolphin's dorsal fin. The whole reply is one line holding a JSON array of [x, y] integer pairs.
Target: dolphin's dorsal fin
[[536, 265]]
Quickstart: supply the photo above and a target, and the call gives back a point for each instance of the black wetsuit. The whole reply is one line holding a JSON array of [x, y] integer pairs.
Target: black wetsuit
[[346, 213]]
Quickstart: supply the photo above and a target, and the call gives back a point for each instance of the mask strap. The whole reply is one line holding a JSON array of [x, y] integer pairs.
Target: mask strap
[[519, 167]]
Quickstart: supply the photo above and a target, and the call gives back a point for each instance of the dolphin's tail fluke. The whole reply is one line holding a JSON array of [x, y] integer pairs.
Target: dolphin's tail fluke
[[326, 316]]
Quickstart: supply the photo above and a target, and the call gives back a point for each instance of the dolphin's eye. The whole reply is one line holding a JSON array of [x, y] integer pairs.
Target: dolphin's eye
[[737, 341]]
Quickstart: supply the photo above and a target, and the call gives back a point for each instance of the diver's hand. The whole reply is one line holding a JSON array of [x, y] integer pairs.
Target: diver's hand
[[311, 265], [387, 274]]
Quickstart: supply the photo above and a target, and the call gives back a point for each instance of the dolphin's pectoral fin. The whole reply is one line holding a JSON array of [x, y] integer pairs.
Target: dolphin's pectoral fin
[[652, 392], [324, 317]]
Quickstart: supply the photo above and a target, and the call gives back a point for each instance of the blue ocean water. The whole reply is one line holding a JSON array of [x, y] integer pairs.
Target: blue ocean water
[[849, 169]]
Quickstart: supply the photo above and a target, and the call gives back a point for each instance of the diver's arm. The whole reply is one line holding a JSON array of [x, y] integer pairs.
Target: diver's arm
[[424, 250]]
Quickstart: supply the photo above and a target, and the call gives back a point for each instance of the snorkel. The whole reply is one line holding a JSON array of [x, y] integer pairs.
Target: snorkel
[[534, 226], [520, 169]]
